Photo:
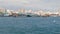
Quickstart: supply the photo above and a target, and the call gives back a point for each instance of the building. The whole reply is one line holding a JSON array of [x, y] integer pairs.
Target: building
[[21, 11], [2, 11]]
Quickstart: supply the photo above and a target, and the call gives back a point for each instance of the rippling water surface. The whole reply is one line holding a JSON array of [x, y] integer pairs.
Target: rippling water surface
[[30, 25]]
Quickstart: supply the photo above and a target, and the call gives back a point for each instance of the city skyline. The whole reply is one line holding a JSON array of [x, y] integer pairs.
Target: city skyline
[[30, 4]]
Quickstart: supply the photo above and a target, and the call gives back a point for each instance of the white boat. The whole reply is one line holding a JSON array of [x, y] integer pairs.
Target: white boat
[[6, 14]]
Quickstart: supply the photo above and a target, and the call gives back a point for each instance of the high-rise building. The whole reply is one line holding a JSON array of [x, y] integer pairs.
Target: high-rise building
[[21, 11]]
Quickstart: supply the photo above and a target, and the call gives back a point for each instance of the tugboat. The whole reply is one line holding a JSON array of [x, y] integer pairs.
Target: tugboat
[[29, 16]]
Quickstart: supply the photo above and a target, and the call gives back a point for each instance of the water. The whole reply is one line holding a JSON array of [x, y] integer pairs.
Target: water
[[30, 25]]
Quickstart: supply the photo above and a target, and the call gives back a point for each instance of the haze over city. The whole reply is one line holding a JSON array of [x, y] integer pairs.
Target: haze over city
[[30, 4], [29, 16]]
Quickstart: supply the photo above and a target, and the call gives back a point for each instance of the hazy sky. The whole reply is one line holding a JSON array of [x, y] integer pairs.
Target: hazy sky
[[32, 4]]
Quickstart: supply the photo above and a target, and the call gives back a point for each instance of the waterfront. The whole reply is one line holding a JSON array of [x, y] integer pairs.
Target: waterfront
[[29, 25]]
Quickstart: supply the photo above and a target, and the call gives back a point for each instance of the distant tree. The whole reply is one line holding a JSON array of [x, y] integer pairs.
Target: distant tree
[[1, 12]]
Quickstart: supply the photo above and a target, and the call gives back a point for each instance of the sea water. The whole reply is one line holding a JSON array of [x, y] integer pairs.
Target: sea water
[[29, 25]]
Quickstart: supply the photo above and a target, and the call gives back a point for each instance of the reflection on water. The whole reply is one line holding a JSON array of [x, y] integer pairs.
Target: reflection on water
[[30, 25]]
